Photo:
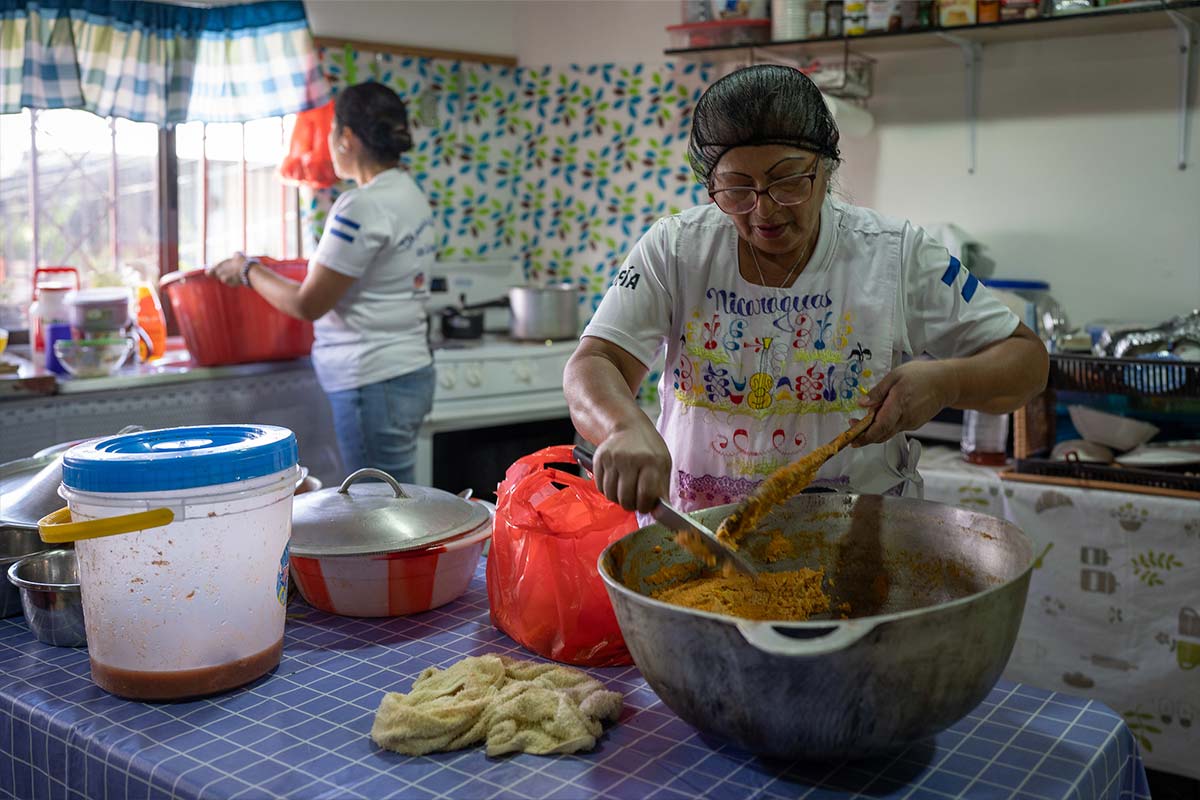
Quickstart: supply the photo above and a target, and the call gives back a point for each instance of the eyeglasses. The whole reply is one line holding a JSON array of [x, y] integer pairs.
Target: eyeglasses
[[790, 191]]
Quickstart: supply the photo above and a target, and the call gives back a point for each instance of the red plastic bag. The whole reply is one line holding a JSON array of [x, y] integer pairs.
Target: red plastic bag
[[308, 162], [543, 586]]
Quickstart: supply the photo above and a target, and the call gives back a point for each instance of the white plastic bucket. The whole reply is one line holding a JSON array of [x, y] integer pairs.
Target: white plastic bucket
[[191, 607]]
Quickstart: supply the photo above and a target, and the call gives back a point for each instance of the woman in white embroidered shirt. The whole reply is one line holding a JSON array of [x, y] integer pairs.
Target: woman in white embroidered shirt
[[366, 287], [775, 303]]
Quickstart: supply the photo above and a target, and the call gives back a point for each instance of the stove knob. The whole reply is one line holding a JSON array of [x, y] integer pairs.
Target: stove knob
[[522, 372], [474, 375], [446, 379]]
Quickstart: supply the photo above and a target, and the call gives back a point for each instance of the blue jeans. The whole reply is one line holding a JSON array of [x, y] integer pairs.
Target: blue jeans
[[376, 425]]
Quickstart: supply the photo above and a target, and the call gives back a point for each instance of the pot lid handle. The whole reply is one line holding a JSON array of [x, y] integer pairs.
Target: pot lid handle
[[370, 472]]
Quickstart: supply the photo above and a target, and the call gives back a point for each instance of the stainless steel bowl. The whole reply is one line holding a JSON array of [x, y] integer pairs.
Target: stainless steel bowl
[[49, 587], [936, 595], [15, 543]]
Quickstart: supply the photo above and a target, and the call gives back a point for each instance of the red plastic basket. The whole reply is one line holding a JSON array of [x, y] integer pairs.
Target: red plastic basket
[[234, 325]]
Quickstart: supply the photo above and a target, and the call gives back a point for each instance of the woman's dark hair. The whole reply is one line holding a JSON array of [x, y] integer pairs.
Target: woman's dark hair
[[377, 116], [764, 104]]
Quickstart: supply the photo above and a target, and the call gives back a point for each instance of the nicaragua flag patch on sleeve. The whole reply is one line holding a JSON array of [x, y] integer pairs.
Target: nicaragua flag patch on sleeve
[[343, 228], [970, 286]]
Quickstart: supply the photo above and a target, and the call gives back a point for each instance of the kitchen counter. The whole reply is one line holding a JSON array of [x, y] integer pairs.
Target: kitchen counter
[[176, 366], [1114, 600], [38, 409], [302, 732]]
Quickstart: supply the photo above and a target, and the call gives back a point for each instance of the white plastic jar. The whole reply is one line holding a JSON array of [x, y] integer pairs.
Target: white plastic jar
[[182, 543]]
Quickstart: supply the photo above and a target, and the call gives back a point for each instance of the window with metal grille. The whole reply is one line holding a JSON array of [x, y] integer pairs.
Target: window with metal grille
[[110, 197]]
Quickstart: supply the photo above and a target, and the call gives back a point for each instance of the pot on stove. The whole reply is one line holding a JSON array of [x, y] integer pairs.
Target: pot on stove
[[544, 312], [461, 323]]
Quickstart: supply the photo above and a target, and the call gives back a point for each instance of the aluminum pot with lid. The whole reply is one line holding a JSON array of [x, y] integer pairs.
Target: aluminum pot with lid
[[385, 549], [28, 492], [546, 312]]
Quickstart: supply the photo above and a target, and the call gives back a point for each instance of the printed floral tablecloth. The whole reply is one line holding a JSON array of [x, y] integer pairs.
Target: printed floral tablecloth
[[1114, 603]]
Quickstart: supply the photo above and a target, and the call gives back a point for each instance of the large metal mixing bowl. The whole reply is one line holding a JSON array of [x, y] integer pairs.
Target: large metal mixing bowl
[[936, 596]]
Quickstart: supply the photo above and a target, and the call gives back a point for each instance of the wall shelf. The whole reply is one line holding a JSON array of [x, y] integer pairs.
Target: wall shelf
[[1114, 19], [1182, 15]]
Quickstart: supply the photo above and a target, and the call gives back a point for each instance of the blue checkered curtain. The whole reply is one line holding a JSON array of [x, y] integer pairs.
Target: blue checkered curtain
[[37, 58], [160, 63]]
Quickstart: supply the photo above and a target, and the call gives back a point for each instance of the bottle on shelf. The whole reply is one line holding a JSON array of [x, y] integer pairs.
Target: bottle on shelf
[[834, 13], [817, 20], [883, 15], [854, 21], [926, 14]]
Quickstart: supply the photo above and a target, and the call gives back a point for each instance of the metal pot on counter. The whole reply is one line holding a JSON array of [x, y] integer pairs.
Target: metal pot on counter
[[385, 549], [935, 595], [28, 491]]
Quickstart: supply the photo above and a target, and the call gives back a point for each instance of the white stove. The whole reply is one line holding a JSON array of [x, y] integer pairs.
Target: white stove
[[489, 388]]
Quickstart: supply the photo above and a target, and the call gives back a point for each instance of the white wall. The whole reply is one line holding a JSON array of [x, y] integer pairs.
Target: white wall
[[593, 31], [538, 32], [1077, 180], [480, 26]]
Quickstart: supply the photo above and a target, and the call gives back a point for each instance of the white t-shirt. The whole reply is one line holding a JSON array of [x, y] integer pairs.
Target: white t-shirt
[[757, 376], [381, 234]]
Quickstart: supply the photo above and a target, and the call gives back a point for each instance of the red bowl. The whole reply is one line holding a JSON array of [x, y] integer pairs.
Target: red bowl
[[391, 584], [235, 325]]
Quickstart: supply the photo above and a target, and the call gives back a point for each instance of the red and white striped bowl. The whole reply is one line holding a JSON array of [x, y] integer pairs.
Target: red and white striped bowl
[[391, 584]]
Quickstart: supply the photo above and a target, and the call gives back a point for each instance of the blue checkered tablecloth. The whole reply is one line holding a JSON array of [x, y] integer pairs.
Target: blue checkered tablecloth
[[302, 732]]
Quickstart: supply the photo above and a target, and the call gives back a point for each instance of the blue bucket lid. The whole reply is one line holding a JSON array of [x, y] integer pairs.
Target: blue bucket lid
[[179, 458], [1017, 286]]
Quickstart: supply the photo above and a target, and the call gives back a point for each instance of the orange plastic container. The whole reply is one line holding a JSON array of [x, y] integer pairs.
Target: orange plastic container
[[234, 325], [151, 319]]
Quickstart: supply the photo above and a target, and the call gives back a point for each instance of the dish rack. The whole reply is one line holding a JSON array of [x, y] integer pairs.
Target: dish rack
[[1034, 425]]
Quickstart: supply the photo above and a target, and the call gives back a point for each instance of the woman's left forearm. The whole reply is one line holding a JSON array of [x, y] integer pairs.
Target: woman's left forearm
[[321, 290], [280, 292], [1001, 377]]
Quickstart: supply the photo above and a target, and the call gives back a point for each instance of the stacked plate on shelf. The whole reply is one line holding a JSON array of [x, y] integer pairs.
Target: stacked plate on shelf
[[789, 20], [1177, 455]]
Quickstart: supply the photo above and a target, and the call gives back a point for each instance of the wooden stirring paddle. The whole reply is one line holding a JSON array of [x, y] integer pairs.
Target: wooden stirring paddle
[[784, 483]]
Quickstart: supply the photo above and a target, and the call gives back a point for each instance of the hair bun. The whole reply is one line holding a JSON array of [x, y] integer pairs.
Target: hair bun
[[402, 138]]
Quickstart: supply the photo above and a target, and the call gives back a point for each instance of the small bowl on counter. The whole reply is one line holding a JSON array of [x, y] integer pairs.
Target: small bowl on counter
[[49, 587], [93, 358], [15, 543]]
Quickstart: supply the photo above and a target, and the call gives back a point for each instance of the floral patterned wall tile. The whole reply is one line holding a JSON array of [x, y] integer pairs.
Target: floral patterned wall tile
[[604, 151], [466, 143], [563, 168]]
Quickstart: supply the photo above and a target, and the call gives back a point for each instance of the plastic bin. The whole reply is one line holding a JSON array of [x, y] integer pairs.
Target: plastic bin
[[182, 543], [235, 325]]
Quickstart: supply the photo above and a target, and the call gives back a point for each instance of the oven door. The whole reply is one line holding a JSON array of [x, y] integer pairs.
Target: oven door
[[493, 404], [477, 458]]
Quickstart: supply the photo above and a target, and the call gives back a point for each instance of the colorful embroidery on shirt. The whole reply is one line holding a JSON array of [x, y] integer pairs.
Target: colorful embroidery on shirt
[[702, 491], [803, 359], [743, 459]]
